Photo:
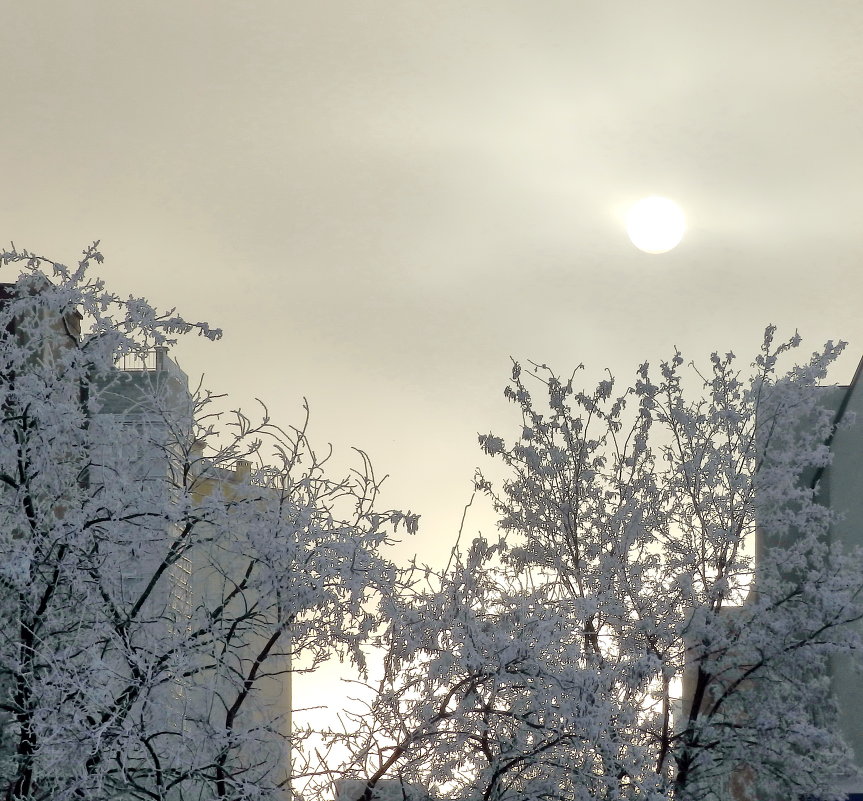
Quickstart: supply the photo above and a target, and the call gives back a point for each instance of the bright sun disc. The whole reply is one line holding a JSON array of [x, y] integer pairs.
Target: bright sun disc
[[655, 224]]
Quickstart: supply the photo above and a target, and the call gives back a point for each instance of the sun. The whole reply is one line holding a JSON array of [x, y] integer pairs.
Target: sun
[[655, 224]]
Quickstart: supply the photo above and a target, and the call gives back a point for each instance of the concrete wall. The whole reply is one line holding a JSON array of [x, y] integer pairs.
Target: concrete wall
[[841, 488]]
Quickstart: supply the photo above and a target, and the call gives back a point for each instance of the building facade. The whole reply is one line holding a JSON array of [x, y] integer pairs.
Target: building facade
[[839, 486], [178, 652]]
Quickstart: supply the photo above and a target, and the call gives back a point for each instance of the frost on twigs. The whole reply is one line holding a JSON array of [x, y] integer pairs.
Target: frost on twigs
[[619, 641], [166, 564], [111, 316]]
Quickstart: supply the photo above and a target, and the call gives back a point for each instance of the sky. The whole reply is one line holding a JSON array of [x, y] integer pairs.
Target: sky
[[382, 203]]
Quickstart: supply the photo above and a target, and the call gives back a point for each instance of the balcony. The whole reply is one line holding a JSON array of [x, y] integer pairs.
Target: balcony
[[155, 360]]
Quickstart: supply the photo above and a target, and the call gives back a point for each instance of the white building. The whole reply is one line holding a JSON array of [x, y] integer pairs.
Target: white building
[[139, 434]]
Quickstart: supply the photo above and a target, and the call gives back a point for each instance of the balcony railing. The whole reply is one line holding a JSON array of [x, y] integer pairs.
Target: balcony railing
[[154, 361]]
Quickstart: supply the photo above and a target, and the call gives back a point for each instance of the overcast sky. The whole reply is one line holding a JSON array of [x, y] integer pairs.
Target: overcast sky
[[381, 202]]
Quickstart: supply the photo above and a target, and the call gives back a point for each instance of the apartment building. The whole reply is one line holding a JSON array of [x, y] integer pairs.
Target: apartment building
[[211, 712]]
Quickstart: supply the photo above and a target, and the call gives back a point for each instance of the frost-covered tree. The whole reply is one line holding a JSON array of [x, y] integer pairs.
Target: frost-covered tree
[[621, 640], [164, 566]]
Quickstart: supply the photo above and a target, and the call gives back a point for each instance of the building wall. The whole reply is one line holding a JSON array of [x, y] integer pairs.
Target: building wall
[[148, 411], [212, 575], [841, 488]]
